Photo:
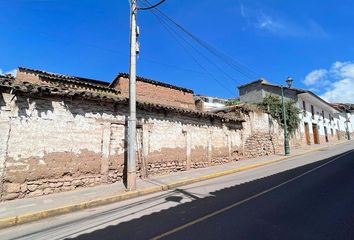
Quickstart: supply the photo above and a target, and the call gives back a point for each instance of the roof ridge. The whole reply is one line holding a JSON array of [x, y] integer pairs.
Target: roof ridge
[[31, 88], [64, 76], [143, 79]]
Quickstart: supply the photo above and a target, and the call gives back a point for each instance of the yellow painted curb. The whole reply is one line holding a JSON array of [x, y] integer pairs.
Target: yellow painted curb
[[11, 221], [7, 222]]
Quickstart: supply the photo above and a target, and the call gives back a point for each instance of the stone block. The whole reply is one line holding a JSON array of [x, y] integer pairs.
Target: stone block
[[36, 193], [24, 187], [10, 196], [32, 187], [12, 187]]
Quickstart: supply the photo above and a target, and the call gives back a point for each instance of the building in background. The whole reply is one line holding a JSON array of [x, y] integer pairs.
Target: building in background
[[207, 103], [320, 121]]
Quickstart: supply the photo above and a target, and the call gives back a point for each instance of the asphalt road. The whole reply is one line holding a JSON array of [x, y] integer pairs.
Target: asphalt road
[[306, 197], [315, 201]]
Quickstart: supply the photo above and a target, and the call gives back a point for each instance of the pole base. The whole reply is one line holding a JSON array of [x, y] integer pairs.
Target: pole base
[[131, 181]]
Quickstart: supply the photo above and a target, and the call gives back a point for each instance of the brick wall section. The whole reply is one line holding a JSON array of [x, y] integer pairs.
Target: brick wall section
[[23, 76], [154, 93]]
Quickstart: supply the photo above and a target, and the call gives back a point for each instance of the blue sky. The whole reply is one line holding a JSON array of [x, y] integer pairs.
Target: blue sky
[[312, 41]]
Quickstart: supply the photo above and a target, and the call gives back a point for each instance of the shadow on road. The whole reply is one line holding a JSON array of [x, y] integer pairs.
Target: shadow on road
[[157, 223]]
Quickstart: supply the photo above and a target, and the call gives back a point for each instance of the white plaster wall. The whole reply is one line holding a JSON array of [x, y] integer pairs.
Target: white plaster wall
[[36, 130], [307, 117], [169, 134]]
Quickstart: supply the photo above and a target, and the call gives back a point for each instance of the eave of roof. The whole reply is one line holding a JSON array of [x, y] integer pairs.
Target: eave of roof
[[142, 79], [297, 90], [347, 107], [70, 79], [253, 82], [9, 85]]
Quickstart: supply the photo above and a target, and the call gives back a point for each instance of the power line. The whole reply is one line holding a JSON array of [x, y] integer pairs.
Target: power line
[[175, 35], [113, 51], [236, 65], [199, 52], [152, 6], [210, 48]]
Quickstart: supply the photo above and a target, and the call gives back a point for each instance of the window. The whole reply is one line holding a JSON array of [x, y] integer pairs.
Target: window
[[304, 105], [313, 112], [322, 115]]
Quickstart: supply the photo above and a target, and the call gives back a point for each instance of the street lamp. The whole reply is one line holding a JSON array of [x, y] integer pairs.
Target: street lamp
[[289, 81], [347, 125]]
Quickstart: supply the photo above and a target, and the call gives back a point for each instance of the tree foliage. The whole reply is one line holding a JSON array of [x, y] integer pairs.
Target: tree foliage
[[272, 105], [233, 101]]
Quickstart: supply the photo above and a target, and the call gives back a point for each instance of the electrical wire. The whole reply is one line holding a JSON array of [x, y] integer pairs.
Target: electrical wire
[[203, 55], [152, 6], [236, 65], [175, 35]]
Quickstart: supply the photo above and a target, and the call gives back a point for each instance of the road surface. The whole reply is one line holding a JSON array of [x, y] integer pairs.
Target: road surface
[[308, 197]]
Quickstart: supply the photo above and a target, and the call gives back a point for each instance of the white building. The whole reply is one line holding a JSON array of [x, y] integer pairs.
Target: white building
[[210, 103], [320, 121]]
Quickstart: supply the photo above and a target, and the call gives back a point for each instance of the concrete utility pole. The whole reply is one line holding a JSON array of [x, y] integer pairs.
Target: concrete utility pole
[[131, 165]]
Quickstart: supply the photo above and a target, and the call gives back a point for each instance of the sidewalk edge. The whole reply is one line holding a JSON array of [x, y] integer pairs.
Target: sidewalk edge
[[25, 218]]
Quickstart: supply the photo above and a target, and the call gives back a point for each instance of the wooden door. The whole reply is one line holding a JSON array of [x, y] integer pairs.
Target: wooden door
[[315, 134], [326, 134], [307, 134]]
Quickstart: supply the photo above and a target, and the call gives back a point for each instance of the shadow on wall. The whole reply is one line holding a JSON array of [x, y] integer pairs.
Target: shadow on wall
[[41, 105], [260, 218], [2, 101], [82, 107]]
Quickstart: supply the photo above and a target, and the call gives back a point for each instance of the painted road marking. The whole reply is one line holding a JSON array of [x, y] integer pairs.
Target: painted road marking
[[245, 200]]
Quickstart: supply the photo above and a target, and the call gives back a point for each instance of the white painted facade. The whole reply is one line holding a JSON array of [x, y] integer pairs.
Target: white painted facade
[[321, 114]]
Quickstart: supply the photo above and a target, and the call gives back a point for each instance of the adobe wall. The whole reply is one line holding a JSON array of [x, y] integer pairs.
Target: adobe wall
[[158, 94], [51, 145], [55, 144]]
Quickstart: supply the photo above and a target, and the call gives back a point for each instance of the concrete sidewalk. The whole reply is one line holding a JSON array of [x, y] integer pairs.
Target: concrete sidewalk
[[31, 209]]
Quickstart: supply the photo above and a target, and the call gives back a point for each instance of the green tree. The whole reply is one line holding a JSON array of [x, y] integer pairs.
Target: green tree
[[272, 104], [233, 101]]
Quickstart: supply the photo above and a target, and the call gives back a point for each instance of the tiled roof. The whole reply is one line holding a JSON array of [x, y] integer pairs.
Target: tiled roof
[[70, 79], [253, 82], [349, 107], [297, 90], [142, 79], [9, 84]]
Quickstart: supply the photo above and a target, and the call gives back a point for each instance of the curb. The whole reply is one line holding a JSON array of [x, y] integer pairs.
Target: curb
[[25, 218]]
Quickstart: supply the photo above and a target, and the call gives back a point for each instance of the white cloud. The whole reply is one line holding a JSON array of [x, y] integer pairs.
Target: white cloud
[[12, 72], [340, 91], [274, 22], [336, 83], [314, 76], [266, 22]]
